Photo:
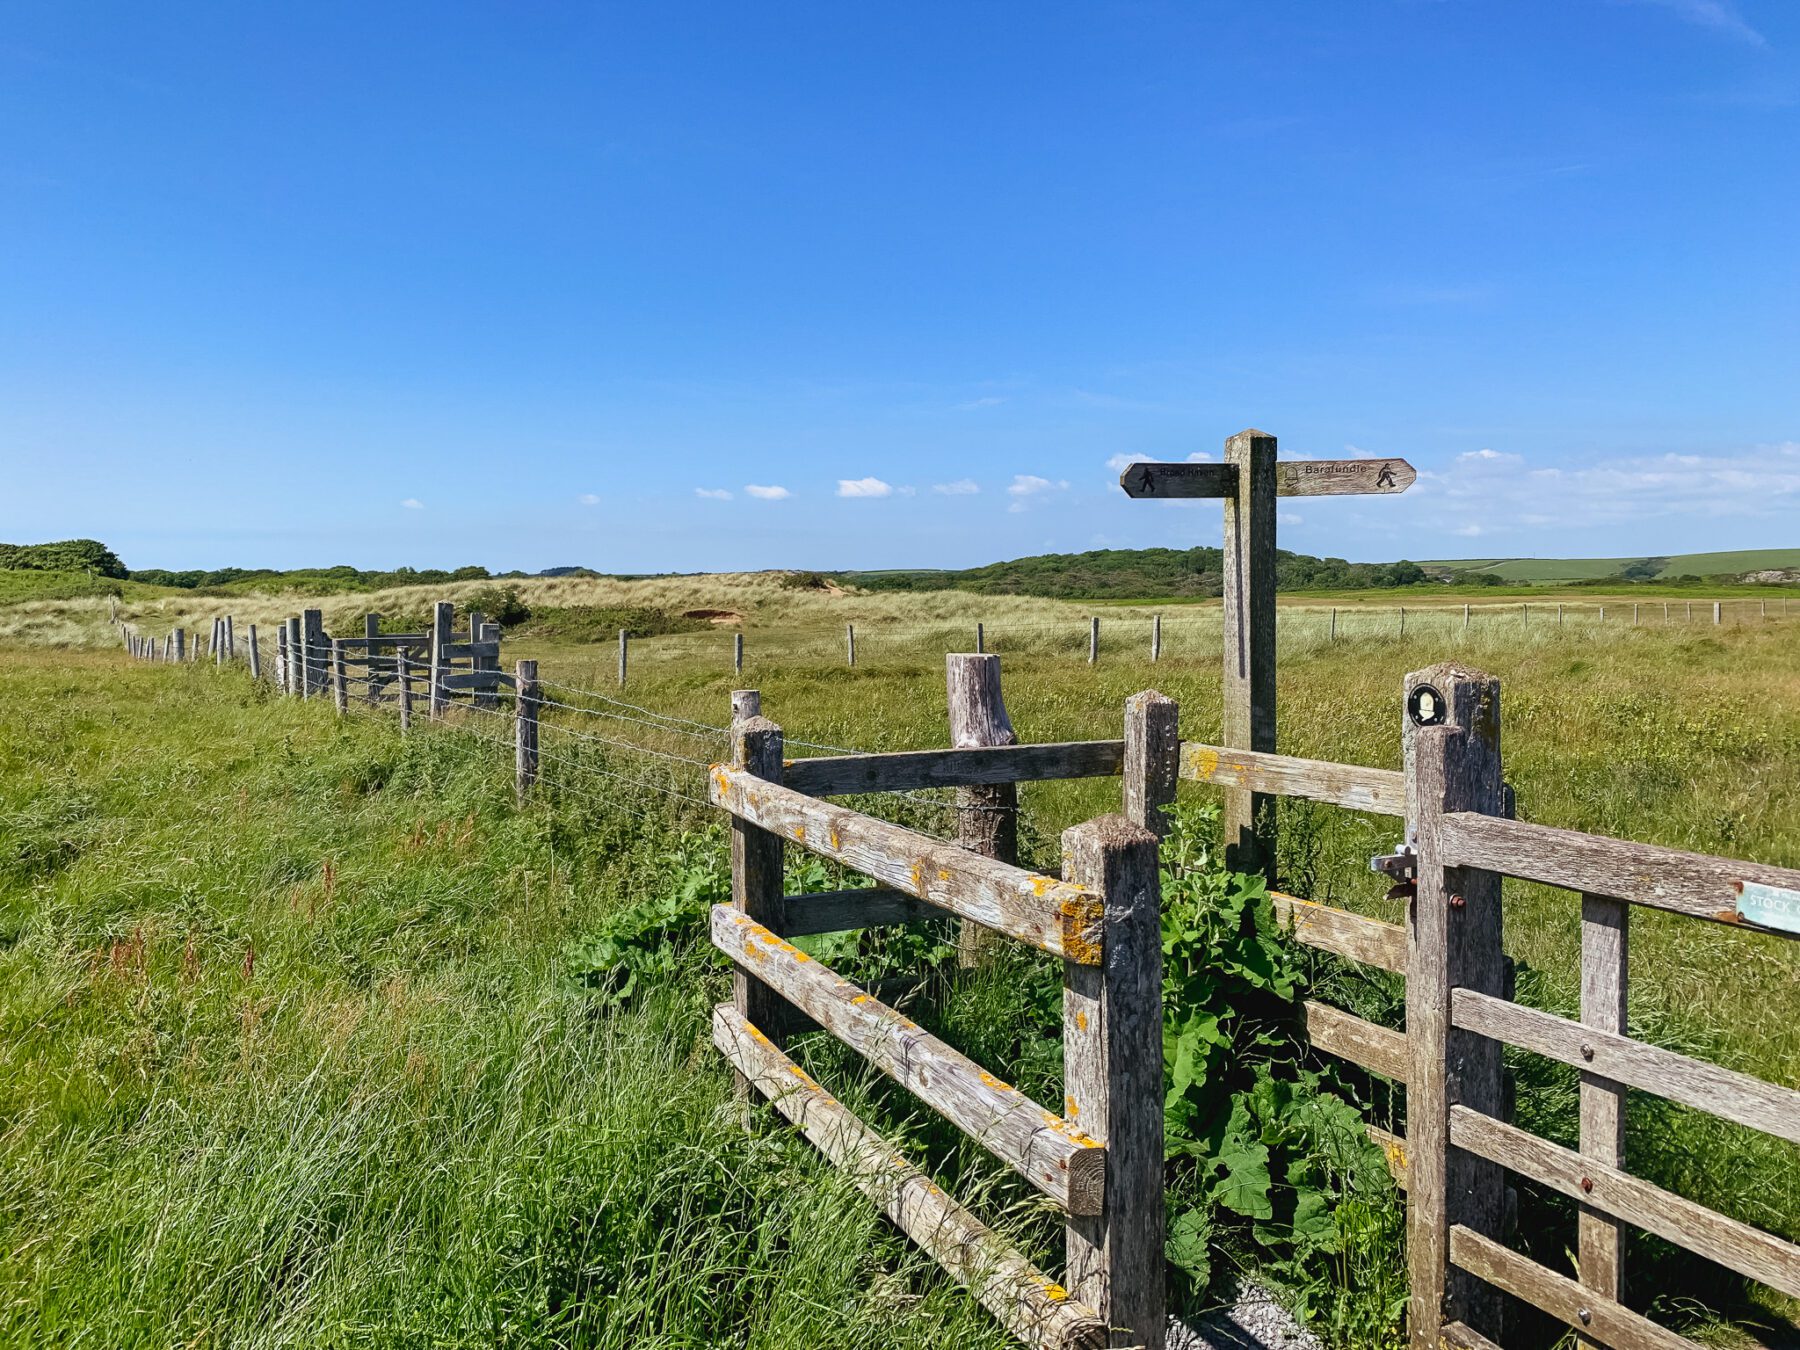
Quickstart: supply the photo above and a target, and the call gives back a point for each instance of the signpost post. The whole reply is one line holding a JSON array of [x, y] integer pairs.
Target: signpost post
[[1248, 482]]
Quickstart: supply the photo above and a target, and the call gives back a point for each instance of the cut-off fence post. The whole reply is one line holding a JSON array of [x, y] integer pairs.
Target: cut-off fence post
[[1334, 623], [230, 638], [987, 817], [1249, 641], [737, 653], [403, 679], [756, 880], [252, 651], [1156, 637], [1152, 758], [1113, 1081], [1718, 610], [624, 653], [181, 644], [850, 643], [443, 617], [980, 638], [1093, 639], [1403, 621], [1454, 941], [525, 726], [339, 693]]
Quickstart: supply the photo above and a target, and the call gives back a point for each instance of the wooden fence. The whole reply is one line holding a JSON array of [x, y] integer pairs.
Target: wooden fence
[[1100, 1158], [1459, 1143]]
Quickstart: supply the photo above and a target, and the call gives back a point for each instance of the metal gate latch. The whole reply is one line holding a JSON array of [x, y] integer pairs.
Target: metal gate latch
[[1402, 865]]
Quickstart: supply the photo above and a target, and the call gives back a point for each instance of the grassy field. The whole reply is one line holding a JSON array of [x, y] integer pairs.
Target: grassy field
[[293, 1053]]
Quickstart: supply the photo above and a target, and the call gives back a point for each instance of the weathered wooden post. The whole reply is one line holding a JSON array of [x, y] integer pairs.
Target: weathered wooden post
[[624, 648], [487, 658], [737, 653], [987, 817], [1634, 615], [1249, 631], [1603, 614], [181, 644], [850, 643], [230, 638], [1113, 1080], [1559, 617], [1689, 618], [1334, 622], [1717, 609], [980, 638], [403, 678], [291, 627], [1156, 637], [313, 646], [443, 619], [1152, 759], [254, 652], [1403, 621], [1525, 614], [371, 631], [281, 657], [1465, 616], [339, 693], [1605, 938], [1093, 639], [1451, 742], [756, 879], [525, 726]]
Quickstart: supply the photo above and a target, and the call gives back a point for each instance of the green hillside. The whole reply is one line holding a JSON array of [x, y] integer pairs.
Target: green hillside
[[1533, 570]]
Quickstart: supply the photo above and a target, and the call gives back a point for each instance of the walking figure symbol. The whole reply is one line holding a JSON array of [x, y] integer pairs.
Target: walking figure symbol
[[1386, 477]]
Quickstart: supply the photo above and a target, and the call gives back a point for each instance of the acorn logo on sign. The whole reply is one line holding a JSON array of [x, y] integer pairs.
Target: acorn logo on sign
[[1426, 706]]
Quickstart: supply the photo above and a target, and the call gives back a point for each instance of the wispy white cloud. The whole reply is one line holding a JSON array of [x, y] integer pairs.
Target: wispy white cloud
[[1721, 16], [714, 494], [1120, 463], [1030, 485], [767, 492], [589, 499], [413, 504], [962, 487], [864, 487], [991, 401], [1492, 492]]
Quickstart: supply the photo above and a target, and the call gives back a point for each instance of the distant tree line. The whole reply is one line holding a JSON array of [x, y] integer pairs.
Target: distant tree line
[[1140, 572], [66, 555]]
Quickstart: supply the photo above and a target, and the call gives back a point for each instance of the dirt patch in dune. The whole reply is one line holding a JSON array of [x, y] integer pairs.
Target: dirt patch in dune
[[718, 616]]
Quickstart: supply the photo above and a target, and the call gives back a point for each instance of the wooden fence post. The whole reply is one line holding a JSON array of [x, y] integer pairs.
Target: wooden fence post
[[371, 631], [1113, 1081], [624, 647], [1717, 608], [1334, 622], [850, 642], [1451, 740], [1156, 637], [1403, 621], [403, 678], [230, 639], [1605, 935], [291, 627], [737, 653], [525, 726], [756, 880], [339, 693], [488, 696], [1152, 758], [1249, 632], [180, 644], [251, 650], [443, 617], [1465, 617], [314, 648], [980, 638], [987, 817]]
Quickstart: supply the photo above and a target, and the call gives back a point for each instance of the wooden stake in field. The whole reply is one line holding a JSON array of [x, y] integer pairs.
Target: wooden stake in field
[[987, 818], [253, 652], [1248, 482], [624, 653], [525, 726]]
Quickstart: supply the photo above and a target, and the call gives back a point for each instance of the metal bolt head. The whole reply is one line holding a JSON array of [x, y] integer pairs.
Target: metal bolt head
[[1587, 1184], [1587, 1051], [1456, 901], [1585, 1314]]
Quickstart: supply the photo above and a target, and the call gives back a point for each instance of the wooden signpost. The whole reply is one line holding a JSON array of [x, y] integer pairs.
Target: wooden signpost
[[1248, 482]]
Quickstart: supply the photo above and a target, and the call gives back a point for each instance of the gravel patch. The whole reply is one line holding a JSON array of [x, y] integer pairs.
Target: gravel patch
[[1255, 1321]]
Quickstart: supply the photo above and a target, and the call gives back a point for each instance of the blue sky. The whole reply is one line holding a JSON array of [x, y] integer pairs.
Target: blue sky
[[687, 287]]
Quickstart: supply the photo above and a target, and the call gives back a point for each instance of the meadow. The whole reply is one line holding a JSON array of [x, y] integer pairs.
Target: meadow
[[312, 1035]]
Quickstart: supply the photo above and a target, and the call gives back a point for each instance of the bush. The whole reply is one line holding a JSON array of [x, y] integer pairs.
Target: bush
[[503, 604], [67, 555]]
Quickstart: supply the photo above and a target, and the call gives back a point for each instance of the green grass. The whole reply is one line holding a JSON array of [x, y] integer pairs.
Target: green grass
[[290, 1054], [17, 584]]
